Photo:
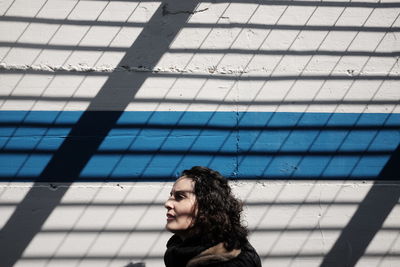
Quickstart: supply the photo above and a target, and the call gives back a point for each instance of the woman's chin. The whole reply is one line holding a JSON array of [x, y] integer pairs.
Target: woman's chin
[[170, 227], [176, 230]]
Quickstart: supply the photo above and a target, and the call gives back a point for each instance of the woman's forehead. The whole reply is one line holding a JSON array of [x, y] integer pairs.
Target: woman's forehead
[[183, 184]]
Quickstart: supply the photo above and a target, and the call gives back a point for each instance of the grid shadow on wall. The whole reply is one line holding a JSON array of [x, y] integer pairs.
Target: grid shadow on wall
[[112, 144]]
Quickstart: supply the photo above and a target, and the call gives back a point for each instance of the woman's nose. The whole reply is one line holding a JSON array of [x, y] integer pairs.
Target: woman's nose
[[168, 204]]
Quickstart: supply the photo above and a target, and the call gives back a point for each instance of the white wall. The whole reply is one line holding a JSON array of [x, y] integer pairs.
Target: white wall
[[291, 223], [292, 59]]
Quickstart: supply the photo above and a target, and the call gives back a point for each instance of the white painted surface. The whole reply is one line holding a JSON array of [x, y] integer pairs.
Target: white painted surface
[[230, 56], [215, 57], [119, 223]]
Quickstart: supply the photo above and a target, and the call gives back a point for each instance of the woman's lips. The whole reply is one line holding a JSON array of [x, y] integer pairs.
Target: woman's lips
[[170, 217]]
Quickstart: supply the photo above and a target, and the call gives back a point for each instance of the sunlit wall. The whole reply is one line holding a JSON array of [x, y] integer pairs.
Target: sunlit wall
[[104, 103]]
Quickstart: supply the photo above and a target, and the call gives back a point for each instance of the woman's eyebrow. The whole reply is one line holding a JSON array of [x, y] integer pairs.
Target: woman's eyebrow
[[181, 191]]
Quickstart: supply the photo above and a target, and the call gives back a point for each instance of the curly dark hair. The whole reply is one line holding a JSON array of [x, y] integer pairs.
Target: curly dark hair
[[218, 216]]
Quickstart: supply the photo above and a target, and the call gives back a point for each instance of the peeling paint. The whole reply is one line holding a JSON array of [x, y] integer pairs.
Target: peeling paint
[[53, 187], [206, 70], [123, 68]]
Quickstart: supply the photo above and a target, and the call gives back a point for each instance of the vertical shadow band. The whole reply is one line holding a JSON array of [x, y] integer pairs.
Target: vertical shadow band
[[368, 218]]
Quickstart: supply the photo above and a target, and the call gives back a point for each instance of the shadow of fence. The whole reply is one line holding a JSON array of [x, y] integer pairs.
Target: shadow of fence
[[148, 146], [106, 142]]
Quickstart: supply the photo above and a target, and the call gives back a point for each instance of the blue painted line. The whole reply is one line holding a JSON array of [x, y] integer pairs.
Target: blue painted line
[[247, 145]]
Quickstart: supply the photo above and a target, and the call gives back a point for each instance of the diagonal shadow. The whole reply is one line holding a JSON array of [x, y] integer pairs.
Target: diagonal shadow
[[368, 218], [150, 45]]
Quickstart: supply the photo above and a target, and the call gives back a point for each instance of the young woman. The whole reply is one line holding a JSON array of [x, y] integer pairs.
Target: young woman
[[205, 218]]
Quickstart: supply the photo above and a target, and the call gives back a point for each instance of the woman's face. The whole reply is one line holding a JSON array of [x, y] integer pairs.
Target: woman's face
[[181, 206]]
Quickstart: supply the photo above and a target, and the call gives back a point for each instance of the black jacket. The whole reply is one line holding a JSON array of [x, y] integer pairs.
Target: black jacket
[[191, 253]]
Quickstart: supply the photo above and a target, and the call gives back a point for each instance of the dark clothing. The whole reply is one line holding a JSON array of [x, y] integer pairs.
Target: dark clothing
[[191, 253]]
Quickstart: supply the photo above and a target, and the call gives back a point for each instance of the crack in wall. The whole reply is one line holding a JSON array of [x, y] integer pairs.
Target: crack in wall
[[237, 116], [166, 11]]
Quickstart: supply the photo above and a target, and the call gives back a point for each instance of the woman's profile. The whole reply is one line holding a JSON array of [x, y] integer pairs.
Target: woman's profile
[[205, 218]]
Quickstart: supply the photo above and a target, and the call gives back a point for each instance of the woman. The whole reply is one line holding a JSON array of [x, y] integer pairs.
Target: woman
[[205, 218]]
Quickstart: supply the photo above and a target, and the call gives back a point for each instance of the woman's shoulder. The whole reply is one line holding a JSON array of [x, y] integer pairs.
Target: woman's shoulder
[[246, 256]]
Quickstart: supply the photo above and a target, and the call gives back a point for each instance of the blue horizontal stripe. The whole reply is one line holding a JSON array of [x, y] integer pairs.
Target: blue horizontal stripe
[[159, 145]]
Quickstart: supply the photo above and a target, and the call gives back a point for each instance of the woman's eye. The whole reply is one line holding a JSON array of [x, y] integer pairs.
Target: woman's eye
[[179, 197]]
